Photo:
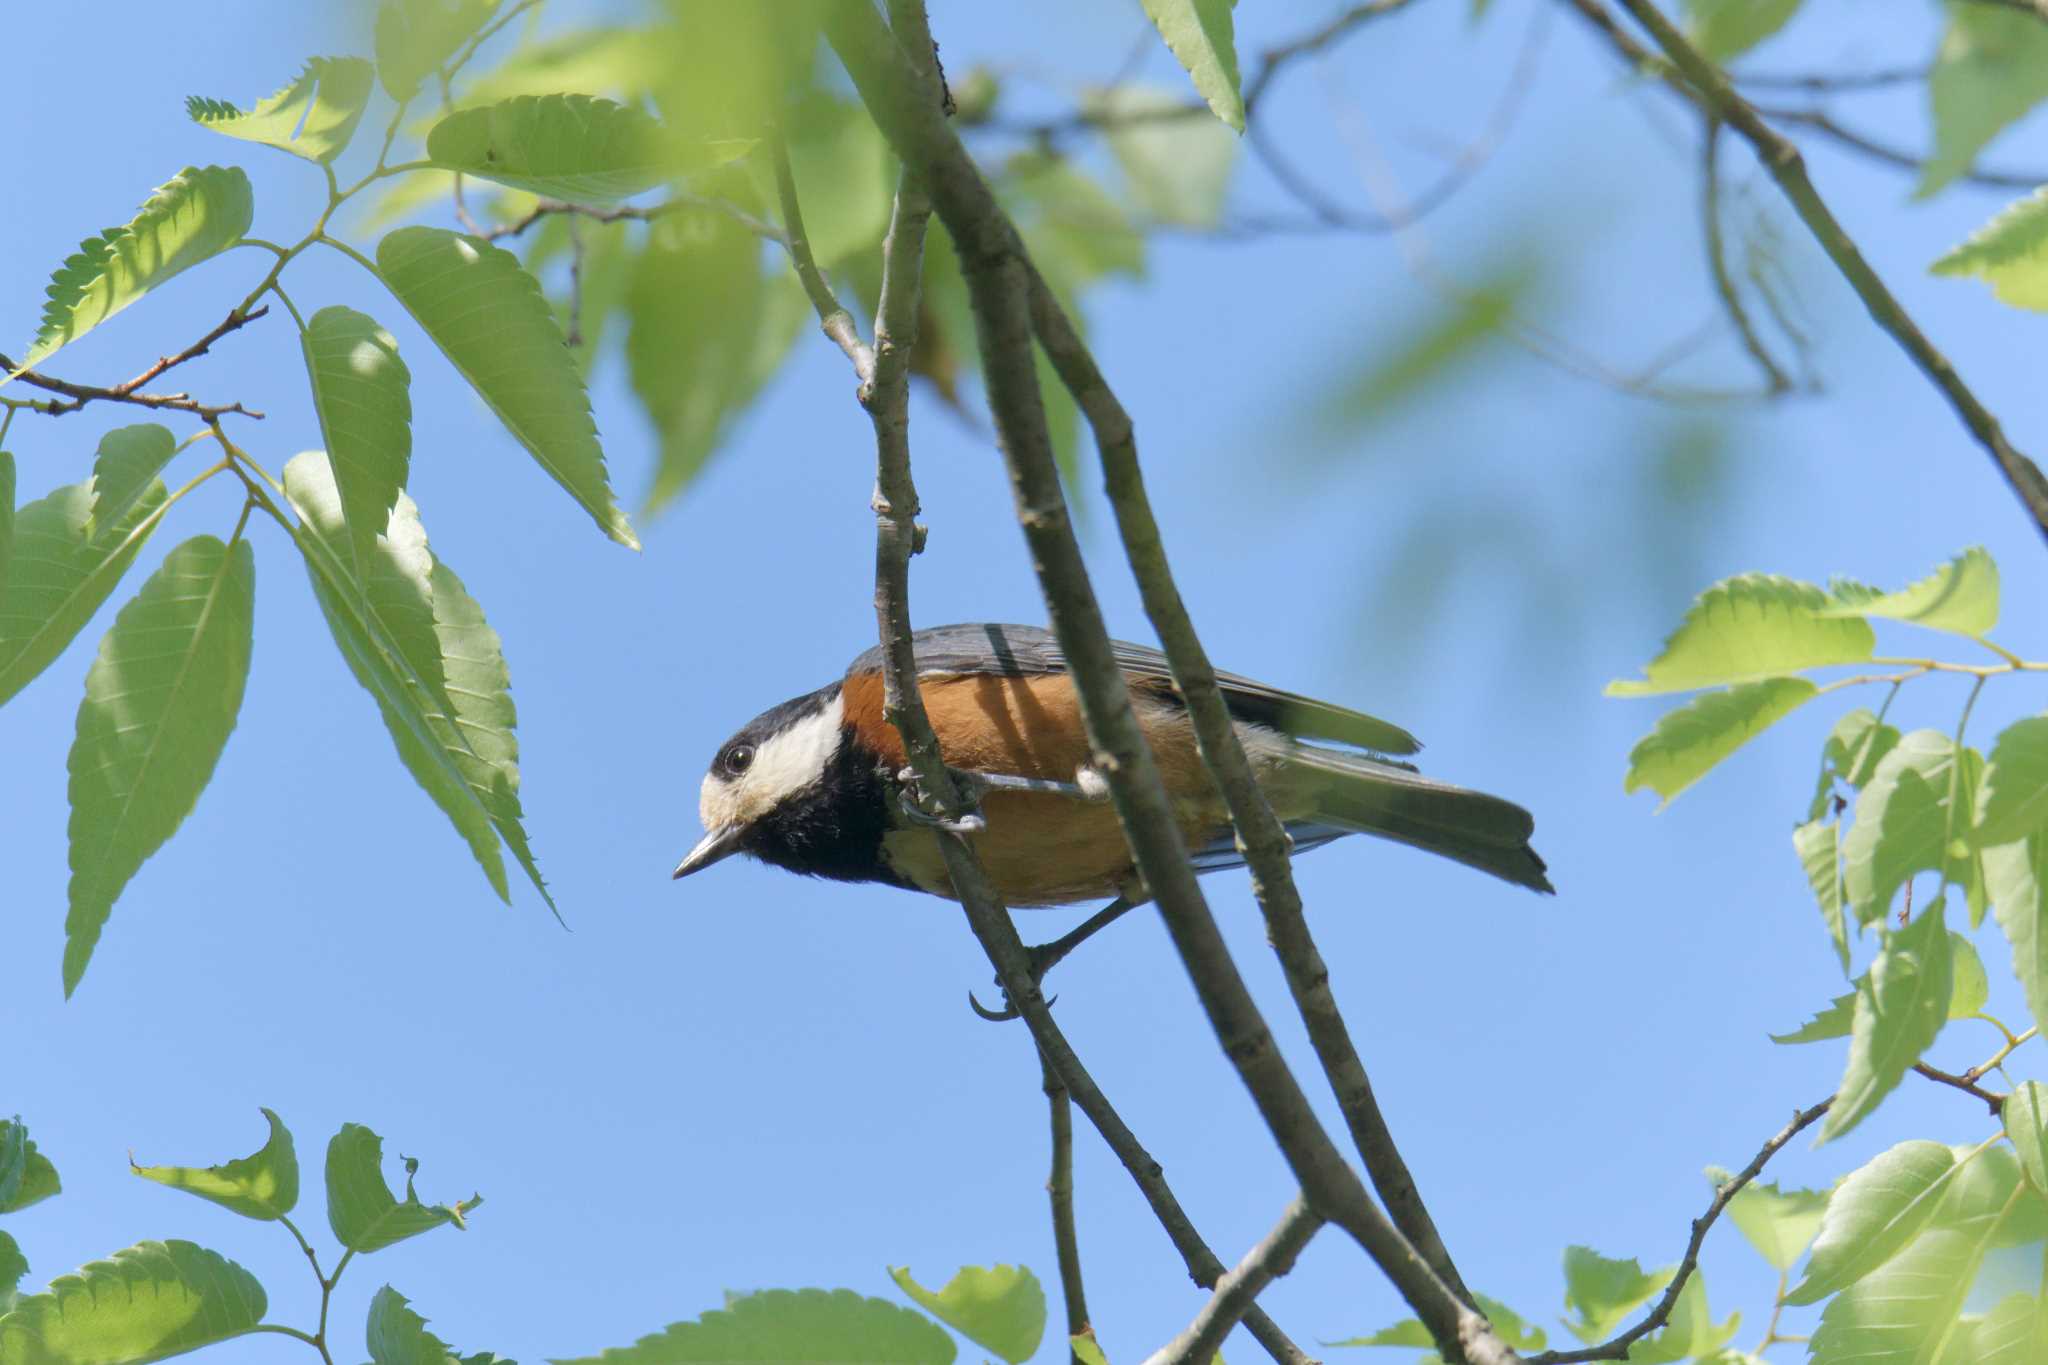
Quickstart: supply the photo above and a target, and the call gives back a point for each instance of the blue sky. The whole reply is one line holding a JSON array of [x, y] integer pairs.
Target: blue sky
[[751, 1081]]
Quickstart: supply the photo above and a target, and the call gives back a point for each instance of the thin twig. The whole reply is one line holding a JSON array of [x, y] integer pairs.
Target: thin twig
[[832, 315], [1059, 1189], [1821, 122], [1965, 1083], [1617, 1347], [615, 213], [1828, 83], [1235, 1292], [1782, 159], [1717, 262], [129, 390]]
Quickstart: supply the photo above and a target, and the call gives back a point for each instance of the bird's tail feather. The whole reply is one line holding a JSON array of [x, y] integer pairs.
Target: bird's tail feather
[[1352, 792]]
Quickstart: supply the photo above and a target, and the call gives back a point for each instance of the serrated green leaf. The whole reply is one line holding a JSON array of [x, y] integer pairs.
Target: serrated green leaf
[[1000, 1308], [574, 147], [1751, 627], [58, 575], [361, 1209], [1689, 742], [1176, 170], [160, 702], [1991, 68], [1901, 1004], [362, 393], [1778, 1223], [13, 1158], [13, 1265], [127, 463], [2009, 253], [2015, 1332], [2017, 877], [34, 1179], [263, 1185], [195, 215], [1690, 1331], [1874, 1213], [1853, 750], [1972, 987], [488, 317], [1727, 28], [418, 643], [153, 1300], [1903, 822], [1961, 596], [1200, 35], [1833, 1022], [791, 1327], [398, 1336], [2016, 784], [415, 37], [313, 117], [1602, 1291], [1818, 844]]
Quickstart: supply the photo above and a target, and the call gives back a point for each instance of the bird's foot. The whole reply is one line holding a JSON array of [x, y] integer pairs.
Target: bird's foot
[[1042, 957]]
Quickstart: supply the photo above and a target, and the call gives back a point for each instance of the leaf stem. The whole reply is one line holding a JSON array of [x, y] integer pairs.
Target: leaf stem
[[345, 249]]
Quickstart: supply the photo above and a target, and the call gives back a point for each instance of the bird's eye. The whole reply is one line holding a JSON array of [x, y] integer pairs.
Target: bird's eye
[[739, 758]]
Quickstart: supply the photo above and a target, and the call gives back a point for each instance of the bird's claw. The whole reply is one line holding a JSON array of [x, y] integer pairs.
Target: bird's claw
[[1040, 963], [911, 797]]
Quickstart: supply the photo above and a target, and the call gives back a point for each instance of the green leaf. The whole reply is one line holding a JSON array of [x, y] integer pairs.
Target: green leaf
[[1750, 627], [160, 701], [13, 1265], [791, 1327], [2009, 253], [1778, 1223], [845, 176], [1199, 34], [33, 1180], [414, 38], [1000, 1308], [488, 317], [1407, 1332], [6, 523], [1906, 1310], [13, 1158], [1903, 822], [399, 1336], [125, 468], [1972, 987], [1818, 844], [2015, 1332], [1835, 1021], [1690, 741], [153, 1300], [363, 396], [264, 1185], [1961, 596], [1728, 28], [58, 575], [361, 1209], [1874, 1213], [2026, 1122], [1076, 233], [2017, 878], [418, 643], [1991, 68], [1176, 170], [194, 216], [1509, 1326], [572, 147], [313, 117], [1430, 349], [2016, 784], [1851, 755], [1901, 1004], [1603, 1291], [1086, 1350], [1691, 1330]]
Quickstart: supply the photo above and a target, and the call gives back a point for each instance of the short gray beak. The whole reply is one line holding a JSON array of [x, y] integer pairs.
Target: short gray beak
[[718, 844]]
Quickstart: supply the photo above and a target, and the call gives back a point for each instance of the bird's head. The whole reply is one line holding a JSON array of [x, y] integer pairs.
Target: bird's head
[[765, 776]]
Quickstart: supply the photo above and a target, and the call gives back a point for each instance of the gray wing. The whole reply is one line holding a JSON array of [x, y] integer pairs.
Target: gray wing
[[1019, 651]]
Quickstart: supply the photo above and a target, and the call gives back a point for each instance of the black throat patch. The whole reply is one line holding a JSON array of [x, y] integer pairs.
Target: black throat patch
[[833, 828]]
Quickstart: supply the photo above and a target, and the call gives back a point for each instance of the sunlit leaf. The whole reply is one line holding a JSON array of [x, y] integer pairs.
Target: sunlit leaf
[[155, 1299], [1991, 68], [1727, 28], [488, 317], [1901, 1004], [1000, 1308], [845, 176], [2017, 877], [195, 215], [26, 1175], [58, 575], [1602, 1291], [124, 468], [1199, 32], [363, 397], [1690, 1331], [160, 701], [622, 63], [1817, 843], [572, 147], [2025, 1113], [263, 1185], [1778, 1223], [1089, 1352], [1750, 627], [1961, 596], [1689, 742], [1874, 1213], [399, 1336], [2015, 1332], [13, 1265], [1906, 1308], [414, 38], [2009, 253], [1835, 1021], [1904, 824], [1851, 755], [2016, 784], [361, 1209], [6, 529], [1176, 169], [791, 1327], [1972, 987], [1507, 1324], [313, 117]]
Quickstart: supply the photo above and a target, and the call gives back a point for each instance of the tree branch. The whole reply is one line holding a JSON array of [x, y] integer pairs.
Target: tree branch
[[832, 315], [998, 279], [129, 390], [1617, 1348], [1704, 84], [1059, 1188], [547, 208], [1717, 263], [1264, 1263]]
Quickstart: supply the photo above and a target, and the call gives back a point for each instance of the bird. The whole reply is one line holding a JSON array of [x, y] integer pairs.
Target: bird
[[819, 785]]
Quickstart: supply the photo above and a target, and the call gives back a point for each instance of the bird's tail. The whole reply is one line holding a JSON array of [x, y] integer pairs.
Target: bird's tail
[[1353, 792]]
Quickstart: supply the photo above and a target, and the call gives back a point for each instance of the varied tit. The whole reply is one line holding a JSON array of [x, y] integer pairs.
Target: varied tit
[[818, 784]]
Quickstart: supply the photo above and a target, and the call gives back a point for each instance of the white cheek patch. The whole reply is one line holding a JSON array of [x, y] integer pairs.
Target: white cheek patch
[[784, 765]]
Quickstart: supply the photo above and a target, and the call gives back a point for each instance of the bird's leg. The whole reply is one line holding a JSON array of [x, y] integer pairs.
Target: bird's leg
[[975, 785], [1043, 956]]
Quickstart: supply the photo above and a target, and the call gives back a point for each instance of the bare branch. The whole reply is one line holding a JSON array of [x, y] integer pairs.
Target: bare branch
[[1820, 122], [1717, 263], [547, 208], [1264, 1263], [832, 315], [1827, 83], [129, 391], [1059, 1188]]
